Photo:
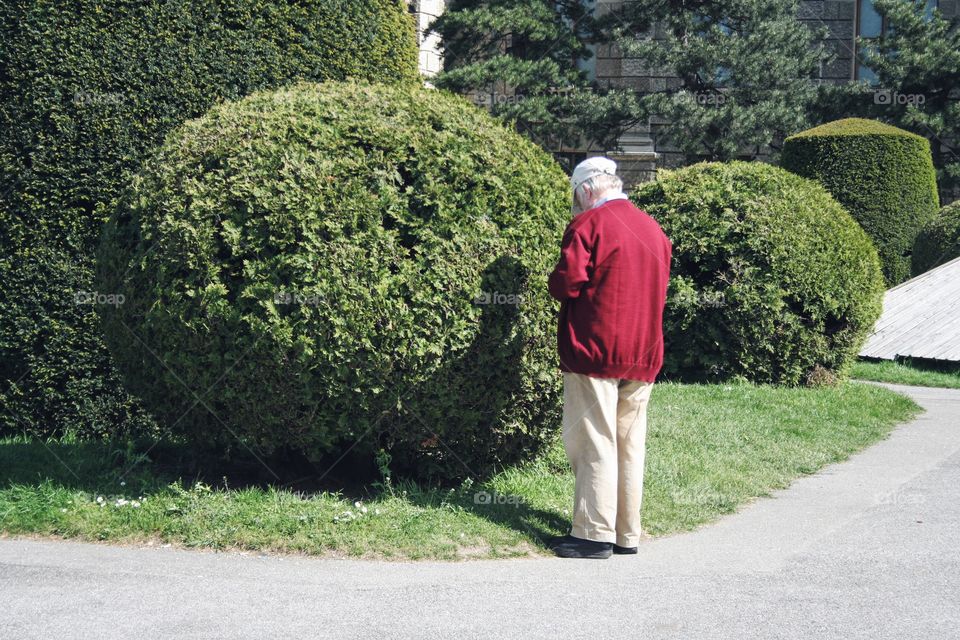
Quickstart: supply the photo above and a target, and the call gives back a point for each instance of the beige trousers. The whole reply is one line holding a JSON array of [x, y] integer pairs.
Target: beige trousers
[[604, 434]]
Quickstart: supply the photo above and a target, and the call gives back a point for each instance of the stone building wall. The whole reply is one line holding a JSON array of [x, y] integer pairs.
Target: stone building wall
[[425, 12]]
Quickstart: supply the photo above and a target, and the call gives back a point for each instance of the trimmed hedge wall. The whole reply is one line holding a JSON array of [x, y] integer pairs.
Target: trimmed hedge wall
[[339, 267], [882, 175], [87, 87], [772, 281], [939, 241]]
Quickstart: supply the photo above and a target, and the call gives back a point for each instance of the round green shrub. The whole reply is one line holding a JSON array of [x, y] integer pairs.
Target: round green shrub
[[343, 266], [939, 240], [87, 88], [771, 281], [882, 175]]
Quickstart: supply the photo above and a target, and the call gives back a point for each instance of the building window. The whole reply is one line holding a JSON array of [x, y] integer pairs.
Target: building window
[[870, 24]]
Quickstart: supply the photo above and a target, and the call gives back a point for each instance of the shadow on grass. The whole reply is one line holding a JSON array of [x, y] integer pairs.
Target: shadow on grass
[[513, 512], [473, 389], [113, 469], [924, 365]]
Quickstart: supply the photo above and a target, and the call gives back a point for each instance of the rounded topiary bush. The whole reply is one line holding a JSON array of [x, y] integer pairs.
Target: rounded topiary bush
[[939, 240], [882, 175], [87, 88], [343, 266], [772, 281]]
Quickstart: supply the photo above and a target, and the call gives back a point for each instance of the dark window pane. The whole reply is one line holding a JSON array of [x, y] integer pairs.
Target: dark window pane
[[866, 74], [871, 23]]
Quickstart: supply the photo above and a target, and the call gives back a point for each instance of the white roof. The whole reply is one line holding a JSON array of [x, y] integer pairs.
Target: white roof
[[921, 318]]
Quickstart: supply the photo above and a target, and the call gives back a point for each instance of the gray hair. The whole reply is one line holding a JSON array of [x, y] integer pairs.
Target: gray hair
[[601, 183]]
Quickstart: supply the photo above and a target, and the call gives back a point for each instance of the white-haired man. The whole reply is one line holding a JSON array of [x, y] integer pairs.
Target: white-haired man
[[611, 281]]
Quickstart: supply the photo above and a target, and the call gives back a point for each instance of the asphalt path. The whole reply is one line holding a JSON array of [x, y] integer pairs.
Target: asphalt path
[[868, 548]]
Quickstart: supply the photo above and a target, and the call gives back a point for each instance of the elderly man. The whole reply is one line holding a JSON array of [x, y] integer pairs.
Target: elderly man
[[611, 281]]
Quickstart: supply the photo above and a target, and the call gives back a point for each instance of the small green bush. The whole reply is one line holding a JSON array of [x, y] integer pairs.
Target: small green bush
[[882, 175], [306, 269], [87, 88], [772, 281], [939, 240]]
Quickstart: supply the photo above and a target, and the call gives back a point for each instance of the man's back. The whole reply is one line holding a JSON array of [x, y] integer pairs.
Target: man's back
[[612, 280]]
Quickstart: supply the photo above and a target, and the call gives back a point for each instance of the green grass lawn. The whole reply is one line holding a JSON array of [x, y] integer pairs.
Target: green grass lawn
[[711, 449], [908, 373]]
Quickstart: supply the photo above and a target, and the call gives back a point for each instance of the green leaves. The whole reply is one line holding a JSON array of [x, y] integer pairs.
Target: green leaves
[[335, 297], [739, 72], [939, 240], [882, 175], [917, 64], [522, 60], [88, 88], [771, 279]]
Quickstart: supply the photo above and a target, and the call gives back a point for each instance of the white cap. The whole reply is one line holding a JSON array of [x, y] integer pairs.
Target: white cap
[[592, 167]]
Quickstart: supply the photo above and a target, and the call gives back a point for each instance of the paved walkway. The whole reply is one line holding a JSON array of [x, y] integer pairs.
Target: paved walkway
[[869, 548]]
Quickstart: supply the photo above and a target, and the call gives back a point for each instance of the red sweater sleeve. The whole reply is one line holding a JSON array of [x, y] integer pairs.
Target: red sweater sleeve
[[570, 274]]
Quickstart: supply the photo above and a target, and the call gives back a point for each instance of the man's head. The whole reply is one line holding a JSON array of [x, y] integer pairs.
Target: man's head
[[592, 180]]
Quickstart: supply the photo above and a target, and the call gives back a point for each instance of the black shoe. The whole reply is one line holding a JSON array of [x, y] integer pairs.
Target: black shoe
[[556, 541], [588, 549], [624, 551]]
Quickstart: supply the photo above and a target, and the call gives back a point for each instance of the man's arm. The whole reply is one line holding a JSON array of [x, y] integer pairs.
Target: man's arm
[[570, 274]]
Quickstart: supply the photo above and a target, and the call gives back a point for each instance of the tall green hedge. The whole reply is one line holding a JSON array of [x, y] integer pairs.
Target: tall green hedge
[[341, 267], [87, 87], [882, 175], [939, 240], [771, 281]]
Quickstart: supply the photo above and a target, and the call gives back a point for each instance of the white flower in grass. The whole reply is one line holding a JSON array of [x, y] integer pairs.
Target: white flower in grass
[[99, 499], [135, 504]]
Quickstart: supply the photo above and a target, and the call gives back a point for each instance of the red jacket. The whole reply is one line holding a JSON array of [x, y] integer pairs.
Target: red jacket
[[612, 282]]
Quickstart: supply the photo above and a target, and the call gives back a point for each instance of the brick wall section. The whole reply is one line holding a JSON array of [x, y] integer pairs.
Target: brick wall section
[[838, 19]]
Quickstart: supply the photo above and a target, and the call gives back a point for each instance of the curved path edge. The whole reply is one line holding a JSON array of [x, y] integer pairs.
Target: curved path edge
[[867, 548]]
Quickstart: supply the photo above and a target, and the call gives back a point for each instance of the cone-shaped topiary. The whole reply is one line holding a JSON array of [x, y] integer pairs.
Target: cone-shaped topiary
[[882, 175], [772, 281], [939, 240], [342, 266], [87, 88]]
